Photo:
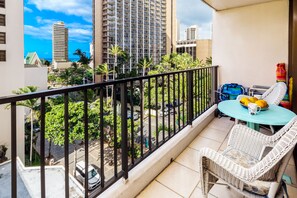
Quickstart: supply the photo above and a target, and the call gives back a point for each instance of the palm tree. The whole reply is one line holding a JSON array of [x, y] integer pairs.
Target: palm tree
[[102, 69], [83, 59], [208, 61], [116, 51], [30, 104], [144, 64]]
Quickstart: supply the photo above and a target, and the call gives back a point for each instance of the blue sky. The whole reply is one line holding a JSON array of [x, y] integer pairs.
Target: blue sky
[[39, 15]]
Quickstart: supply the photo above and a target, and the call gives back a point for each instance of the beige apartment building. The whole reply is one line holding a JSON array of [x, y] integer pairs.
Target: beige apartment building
[[60, 42], [12, 69], [198, 49], [192, 32], [143, 28]]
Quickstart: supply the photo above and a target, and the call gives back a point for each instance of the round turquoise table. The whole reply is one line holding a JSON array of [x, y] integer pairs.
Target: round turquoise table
[[274, 115]]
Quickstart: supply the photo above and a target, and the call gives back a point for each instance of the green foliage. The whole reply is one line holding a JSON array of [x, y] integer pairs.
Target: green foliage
[[74, 75], [83, 59], [27, 103], [208, 61], [145, 64], [54, 123]]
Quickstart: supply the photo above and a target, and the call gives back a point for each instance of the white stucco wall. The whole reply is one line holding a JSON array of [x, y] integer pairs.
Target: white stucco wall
[[36, 76], [249, 41], [12, 71]]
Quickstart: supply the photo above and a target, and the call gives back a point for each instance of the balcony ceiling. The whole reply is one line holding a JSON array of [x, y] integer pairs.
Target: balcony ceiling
[[228, 4]]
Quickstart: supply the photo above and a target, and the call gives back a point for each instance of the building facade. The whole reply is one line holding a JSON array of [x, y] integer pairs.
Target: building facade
[[198, 49], [60, 42], [192, 32], [142, 28], [12, 69]]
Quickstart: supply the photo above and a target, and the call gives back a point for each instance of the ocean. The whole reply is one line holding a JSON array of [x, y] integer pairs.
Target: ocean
[[70, 59]]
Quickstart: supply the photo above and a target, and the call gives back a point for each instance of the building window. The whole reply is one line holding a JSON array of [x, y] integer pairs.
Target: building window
[[2, 20], [2, 3], [2, 38], [2, 55]]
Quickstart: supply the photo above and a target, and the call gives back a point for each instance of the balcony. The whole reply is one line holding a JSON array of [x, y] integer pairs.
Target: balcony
[[182, 178], [161, 119]]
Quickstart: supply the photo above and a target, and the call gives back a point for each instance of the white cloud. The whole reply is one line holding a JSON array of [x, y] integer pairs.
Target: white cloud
[[194, 13], [26, 9], [81, 8], [77, 32]]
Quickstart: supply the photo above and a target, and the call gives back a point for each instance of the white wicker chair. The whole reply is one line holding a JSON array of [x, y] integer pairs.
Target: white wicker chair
[[273, 95], [244, 165]]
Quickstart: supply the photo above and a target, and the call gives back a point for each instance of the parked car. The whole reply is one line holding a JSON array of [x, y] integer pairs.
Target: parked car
[[165, 111], [94, 178], [135, 115]]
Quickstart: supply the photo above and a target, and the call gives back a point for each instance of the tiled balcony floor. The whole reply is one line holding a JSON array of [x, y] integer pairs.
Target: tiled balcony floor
[[181, 178]]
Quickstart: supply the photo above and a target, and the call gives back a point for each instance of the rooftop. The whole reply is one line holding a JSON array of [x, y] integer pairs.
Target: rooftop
[[29, 182]]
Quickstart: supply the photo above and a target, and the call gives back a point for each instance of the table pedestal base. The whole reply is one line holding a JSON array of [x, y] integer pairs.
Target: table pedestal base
[[253, 126]]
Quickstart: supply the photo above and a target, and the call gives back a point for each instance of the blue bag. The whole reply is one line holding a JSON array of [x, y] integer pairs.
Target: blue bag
[[230, 91]]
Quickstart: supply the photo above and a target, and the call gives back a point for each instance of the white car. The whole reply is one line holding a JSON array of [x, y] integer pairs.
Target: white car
[[135, 115], [93, 176]]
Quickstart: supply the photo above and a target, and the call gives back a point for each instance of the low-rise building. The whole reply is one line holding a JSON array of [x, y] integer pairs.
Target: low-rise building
[[199, 49], [32, 59], [29, 181], [36, 76]]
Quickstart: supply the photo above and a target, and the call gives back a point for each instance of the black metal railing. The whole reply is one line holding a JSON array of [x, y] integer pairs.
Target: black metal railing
[[133, 118]]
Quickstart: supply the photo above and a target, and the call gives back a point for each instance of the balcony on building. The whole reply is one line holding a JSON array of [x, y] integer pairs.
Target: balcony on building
[[249, 39]]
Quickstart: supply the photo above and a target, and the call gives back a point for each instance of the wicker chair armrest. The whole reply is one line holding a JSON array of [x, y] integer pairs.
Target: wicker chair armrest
[[248, 140], [222, 166]]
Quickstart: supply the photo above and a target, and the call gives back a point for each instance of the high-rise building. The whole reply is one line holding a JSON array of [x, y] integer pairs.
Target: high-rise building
[[142, 28], [192, 32], [12, 69], [177, 30], [60, 42]]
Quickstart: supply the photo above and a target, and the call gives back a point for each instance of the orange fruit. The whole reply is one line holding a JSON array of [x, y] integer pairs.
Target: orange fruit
[[253, 99], [262, 103]]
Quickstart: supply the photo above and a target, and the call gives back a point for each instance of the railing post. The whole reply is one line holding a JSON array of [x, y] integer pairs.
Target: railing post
[[190, 96], [66, 143], [42, 147], [215, 84], [124, 131], [13, 151]]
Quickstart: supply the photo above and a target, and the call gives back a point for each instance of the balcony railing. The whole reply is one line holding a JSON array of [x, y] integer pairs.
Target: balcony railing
[[146, 112]]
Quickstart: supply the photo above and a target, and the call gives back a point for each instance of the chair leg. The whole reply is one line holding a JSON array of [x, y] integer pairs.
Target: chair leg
[[272, 129]]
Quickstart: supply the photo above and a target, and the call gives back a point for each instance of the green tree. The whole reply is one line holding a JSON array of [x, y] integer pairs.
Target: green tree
[[103, 69], [47, 63], [83, 59], [116, 51], [208, 61], [31, 104], [55, 129], [122, 60], [144, 64]]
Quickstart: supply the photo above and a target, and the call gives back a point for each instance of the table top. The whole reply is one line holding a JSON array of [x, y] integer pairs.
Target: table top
[[274, 115]]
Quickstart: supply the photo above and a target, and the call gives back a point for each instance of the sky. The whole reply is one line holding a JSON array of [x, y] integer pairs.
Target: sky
[[40, 15], [194, 12]]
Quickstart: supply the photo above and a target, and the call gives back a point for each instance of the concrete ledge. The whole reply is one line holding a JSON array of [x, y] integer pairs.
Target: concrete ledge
[[152, 166]]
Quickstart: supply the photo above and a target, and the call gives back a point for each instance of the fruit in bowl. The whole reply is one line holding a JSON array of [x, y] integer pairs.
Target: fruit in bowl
[[253, 99], [245, 101], [262, 103]]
